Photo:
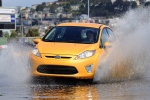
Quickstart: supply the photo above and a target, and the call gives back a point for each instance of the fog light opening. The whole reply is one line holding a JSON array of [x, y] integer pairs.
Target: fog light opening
[[89, 68]]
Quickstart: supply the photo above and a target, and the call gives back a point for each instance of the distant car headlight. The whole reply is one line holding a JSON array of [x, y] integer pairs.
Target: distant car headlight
[[85, 54], [36, 52]]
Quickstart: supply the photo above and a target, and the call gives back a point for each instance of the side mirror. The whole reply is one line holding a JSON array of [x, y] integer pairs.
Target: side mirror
[[36, 41], [107, 45]]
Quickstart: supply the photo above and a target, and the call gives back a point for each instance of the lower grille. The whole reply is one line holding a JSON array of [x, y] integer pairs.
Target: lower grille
[[55, 69]]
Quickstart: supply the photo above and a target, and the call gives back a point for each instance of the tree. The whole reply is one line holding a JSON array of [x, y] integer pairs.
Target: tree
[[147, 3], [109, 6], [127, 6], [44, 3], [53, 7], [101, 8], [76, 13], [73, 2], [118, 6], [67, 7], [133, 4], [40, 7], [82, 9], [0, 2]]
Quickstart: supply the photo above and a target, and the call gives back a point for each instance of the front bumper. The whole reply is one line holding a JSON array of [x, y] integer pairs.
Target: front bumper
[[64, 67]]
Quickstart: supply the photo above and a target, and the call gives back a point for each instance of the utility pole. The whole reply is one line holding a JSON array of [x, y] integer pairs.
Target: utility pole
[[1, 33]]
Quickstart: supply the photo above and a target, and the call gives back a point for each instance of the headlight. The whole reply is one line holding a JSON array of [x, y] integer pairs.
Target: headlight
[[36, 52], [85, 54]]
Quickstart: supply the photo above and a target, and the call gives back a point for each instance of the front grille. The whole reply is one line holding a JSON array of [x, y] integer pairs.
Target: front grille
[[55, 69], [59, 58]]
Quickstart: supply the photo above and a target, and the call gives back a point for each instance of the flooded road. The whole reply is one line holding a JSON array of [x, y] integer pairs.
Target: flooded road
[[16, 84]]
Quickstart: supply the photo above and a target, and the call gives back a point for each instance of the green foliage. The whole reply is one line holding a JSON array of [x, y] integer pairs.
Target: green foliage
[[67, 7], [44, 3], [106, 8], [32, 33], [73, 2], [13, 34], [133, 5], [76, 13], [83, 9], [0, 2], [53, 7], [40, 7], [147, 3], [6, 35], [103, 8]]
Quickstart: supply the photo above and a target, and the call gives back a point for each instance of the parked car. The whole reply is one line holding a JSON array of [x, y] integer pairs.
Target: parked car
[[66, 52]]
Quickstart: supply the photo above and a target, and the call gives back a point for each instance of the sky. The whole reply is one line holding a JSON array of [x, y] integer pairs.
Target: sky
[[24, 3]]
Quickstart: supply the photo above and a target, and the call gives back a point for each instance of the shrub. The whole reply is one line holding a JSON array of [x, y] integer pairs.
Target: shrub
[[13, 34], [32, 33]]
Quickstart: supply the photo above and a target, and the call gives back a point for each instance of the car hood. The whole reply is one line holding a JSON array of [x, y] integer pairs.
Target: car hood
[[64, 48]]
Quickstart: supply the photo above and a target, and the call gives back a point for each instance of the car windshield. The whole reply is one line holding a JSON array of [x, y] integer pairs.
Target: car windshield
[[72, 34]]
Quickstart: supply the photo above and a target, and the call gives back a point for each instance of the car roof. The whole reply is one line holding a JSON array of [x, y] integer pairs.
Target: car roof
[[93, 25]]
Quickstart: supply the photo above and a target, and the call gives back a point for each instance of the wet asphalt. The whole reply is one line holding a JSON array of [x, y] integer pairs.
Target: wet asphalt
[[17, 84]]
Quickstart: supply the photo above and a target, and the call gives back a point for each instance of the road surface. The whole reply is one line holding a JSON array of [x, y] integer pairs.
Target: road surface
[[15, 83]]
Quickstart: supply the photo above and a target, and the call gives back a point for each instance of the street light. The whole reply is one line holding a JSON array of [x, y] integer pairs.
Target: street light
[[1, 33], [88, 9], [21, 27]]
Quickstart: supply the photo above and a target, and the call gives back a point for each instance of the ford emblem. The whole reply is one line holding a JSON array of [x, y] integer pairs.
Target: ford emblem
[[57, 57]]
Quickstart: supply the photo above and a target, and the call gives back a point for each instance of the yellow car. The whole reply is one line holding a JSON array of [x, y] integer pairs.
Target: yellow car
[[70, 50]]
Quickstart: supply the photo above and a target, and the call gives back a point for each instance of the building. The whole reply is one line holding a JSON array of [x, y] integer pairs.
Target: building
[[48, 3], [75, 7], [34, 6]]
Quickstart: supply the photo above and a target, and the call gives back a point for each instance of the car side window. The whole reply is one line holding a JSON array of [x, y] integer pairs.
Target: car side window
[[111, 35], [104, 37]]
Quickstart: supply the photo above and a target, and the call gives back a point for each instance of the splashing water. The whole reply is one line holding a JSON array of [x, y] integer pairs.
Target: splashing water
[[14, 68], [130, 54]]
